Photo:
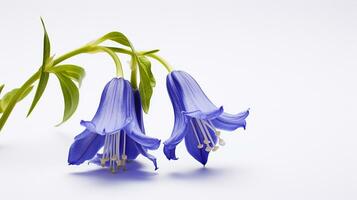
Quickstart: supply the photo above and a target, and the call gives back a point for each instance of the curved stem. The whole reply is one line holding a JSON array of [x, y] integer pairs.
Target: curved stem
[[146, 53], [134, 69], [12, 104], [161, 60], [84, 49], [115, 58]]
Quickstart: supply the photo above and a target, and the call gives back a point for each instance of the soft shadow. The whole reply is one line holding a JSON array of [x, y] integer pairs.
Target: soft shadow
[[201, 173], [133, 173]]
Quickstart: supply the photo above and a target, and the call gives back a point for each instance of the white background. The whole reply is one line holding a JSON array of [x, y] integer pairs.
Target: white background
[[292, 62]]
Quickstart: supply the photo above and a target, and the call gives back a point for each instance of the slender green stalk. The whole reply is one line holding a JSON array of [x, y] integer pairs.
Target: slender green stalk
[[162, 61], [146, 53], [134, 72], [84, 49], [12, 104], [119, 68]]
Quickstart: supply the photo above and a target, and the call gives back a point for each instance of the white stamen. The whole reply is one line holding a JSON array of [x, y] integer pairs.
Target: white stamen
[[210, 125], [208, 148], [200, 146], [205, 141], [105, 150], [124, 156], [208, 133], [221, 142], [118, 150]]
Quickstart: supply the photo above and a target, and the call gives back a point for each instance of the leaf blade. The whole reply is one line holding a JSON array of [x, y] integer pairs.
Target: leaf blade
[[74, 72], [4, 102], [43, 74], [117, 37], [70, 96], [1, 87]]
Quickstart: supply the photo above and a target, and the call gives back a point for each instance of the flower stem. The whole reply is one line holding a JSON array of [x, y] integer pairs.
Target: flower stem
[[84, 49], [118, 65], [161, 60], [12, 104], [134, 69]]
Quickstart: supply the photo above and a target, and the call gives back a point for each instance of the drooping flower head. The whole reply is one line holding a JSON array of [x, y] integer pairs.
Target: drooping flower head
[[197, 119], [117, 127]]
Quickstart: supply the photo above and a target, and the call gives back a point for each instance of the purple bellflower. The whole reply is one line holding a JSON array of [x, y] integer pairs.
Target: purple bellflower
[[117, 128], [196, 118]]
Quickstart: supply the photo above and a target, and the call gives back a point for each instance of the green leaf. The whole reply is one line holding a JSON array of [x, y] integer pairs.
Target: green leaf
[[150, 52], [40, 89], [70, 95], [1, 87], [74, 72], [46, 44], [145, 90], [116, 37], [4, 102], [19, 94], [145, 64], [147, 80], [43, 74]]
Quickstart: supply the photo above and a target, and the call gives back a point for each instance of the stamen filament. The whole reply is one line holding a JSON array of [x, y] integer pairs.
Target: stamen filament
[[200, 145], [206, 141], [208, 133], [124, 157]]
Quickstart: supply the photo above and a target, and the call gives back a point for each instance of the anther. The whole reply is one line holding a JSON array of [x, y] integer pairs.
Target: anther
[[215, 148], [118, 163], [103, 161], [221, 142], [200, 146], [208, 148], [206, 141]]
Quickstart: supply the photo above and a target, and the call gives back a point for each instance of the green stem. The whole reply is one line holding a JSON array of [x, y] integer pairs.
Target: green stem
[[146, 53], [84, 49], [12, 104], [134, 69], [162, 61], [119, 68]]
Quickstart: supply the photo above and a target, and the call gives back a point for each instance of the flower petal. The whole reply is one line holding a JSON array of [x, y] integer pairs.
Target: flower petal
[[206, 116], [231, 122], [147, 155], [114, 111], [170, 152], [85, 147], [178, 132], [134, 132], [139, 110], [191, 94], [191, 142], [131, 149]]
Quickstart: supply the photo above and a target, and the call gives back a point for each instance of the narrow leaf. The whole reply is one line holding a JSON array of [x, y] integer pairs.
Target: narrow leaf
[[150, 52], [74, 72], [46, 44], [40, 89], [145, 64], [147, 80], [8, 97], [117, 37], [70, 95], [146, 91], [43, 74], [1, 87]]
